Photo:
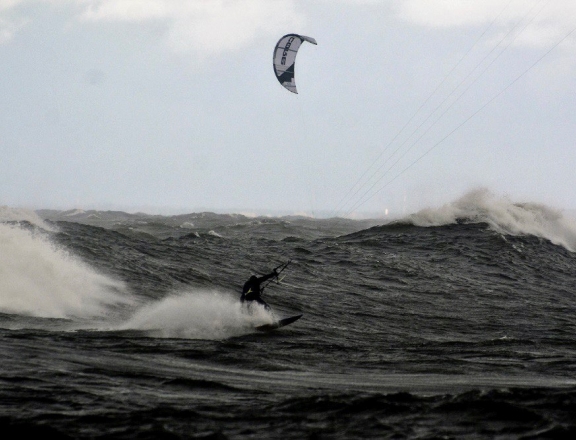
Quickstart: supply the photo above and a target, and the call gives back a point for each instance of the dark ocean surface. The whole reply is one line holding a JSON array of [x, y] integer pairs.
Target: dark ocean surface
[[457, 322]]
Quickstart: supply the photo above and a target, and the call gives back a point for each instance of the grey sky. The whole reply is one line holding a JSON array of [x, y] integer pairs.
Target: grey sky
[[172, 106]]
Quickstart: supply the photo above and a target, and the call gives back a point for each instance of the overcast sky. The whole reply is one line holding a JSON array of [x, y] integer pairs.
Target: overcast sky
[[172, 106]]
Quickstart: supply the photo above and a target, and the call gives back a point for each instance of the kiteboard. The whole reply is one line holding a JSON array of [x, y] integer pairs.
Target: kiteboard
[[278, 324]]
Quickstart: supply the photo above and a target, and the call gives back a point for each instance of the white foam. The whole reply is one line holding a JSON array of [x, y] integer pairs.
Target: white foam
[[75, 212], [202, 314], [504, 216], [39, 279]]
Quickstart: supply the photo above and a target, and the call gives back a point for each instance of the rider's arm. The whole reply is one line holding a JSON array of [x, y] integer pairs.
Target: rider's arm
[[267, 277]]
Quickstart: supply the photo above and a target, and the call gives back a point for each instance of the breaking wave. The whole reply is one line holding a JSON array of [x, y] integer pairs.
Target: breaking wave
[[504, 216], [40, 279]]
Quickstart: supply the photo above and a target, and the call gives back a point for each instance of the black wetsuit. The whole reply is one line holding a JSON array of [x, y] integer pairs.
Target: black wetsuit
[[252, 290]]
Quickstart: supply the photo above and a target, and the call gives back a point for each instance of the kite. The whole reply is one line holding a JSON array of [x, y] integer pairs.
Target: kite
[[285, 57]]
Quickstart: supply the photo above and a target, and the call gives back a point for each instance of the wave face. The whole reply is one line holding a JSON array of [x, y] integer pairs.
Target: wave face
[[453, 322]]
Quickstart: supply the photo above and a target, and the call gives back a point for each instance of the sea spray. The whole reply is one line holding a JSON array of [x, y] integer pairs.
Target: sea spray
[[197, 314], [17, 215]]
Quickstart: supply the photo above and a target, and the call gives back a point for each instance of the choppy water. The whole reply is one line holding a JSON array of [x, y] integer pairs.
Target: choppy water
[[457, 322]]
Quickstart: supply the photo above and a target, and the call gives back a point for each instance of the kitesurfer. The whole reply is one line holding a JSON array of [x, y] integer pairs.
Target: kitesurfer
[[252, 289]]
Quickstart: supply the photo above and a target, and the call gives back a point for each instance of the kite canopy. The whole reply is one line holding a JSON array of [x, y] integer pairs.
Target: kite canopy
[[285, 57]]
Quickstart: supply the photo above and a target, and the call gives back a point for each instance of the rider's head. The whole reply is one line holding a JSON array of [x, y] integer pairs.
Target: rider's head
[[253, 278]]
